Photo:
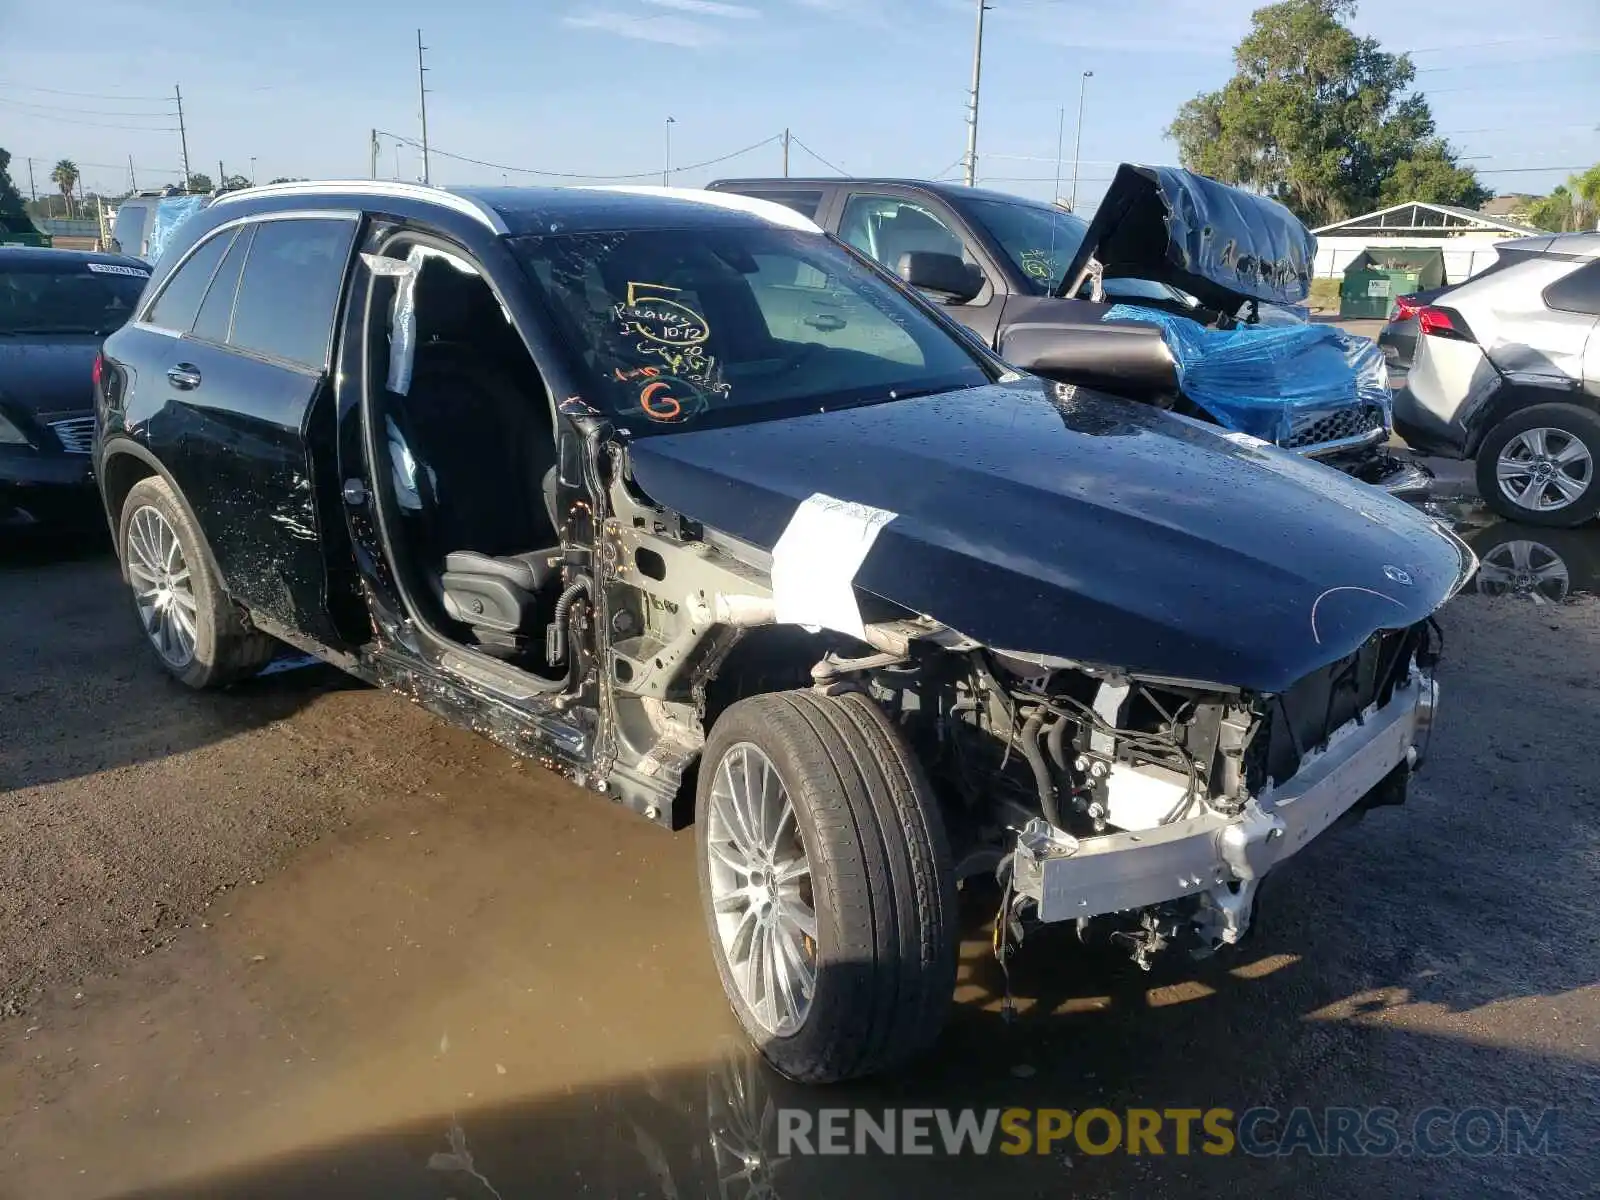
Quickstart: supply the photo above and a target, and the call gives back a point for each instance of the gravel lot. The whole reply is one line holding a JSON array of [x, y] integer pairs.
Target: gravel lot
[[301, 939]]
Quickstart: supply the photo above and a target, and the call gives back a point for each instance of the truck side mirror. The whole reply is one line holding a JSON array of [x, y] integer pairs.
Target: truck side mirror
[[948, 277]]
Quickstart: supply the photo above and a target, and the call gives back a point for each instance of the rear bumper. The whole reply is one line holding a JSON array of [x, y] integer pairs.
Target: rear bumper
[[40, 484], [1424, 430], [1219, 859]]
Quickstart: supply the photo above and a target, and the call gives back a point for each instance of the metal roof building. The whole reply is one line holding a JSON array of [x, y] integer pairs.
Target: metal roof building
[[1466, 237]]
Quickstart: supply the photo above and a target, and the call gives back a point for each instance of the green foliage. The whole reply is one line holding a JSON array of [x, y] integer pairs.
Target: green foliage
[[232, 183], [288, 179], [1324, 294], [1321, 120], [10, 198], [65, 175], [200, 182], [1571, 206]]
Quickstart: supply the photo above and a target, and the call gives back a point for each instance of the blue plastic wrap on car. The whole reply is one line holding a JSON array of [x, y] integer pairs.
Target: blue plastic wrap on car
[[169, 214], [1270, 381]]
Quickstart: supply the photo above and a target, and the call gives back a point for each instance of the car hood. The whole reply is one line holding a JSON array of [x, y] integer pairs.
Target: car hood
[[49, 374], [1221, 245], [1054, 520]]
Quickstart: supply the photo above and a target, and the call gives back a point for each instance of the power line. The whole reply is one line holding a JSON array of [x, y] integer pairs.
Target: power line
[[822, 160], [22, 87], [1544, 37], [494, 166], [84, 112], [103, 124], [1516, 62]]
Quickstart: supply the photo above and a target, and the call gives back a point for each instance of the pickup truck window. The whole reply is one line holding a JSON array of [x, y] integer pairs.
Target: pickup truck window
[[704, 326], [290, 288], [1038, 238], [884, 228]]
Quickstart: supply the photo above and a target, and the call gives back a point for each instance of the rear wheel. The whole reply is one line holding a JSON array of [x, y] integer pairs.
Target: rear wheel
[[1538, 465], [827, 884], [197, 634]]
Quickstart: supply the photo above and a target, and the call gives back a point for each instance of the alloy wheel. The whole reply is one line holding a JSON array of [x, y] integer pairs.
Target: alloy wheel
[[162, 587], [761, 892], [1524, 568], [1544, 469]]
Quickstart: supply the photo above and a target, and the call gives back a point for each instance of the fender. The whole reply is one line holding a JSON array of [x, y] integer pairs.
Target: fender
[[121, 446]]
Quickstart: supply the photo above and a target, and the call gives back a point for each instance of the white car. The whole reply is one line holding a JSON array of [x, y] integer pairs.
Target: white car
[[1507, 372]]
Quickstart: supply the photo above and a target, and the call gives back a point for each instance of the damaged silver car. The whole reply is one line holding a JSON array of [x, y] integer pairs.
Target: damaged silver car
[[678, 495]]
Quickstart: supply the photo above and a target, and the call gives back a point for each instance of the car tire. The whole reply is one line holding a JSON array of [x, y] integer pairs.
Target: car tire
[[198, 635], [839, 788], [1559, 428]]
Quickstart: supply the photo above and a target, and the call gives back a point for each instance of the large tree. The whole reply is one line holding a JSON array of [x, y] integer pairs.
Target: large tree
[[1321, 120], [10, 199], [1570, 206], [200, 183], [65, 175]]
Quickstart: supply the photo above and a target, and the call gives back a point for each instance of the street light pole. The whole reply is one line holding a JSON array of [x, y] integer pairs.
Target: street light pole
[[252, 170], [971, 172], [1077, 138], [666, 169]]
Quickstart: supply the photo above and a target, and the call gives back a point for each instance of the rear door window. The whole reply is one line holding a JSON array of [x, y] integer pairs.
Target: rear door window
[[216, 311], [290, 289], [180, 299], [1579, 292]]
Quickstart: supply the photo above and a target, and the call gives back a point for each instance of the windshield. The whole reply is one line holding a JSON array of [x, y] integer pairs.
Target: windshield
[[88, 298], [686, 327], [1038, 238], [1041, 241]]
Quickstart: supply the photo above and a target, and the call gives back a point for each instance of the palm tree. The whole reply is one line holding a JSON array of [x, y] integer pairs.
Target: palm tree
[[65, 176]]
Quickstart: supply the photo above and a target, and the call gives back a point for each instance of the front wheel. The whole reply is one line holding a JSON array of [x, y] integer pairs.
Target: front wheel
[[197, 634], [1538, 466], [827, 884]]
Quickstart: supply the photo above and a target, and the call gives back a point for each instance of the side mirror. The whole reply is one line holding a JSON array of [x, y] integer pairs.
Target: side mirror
[[945, 275]]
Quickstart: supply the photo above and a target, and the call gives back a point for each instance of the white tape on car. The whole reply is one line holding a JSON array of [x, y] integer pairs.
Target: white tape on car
[[814, 563]]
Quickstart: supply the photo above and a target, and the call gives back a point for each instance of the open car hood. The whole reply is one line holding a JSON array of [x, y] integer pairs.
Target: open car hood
[[1058, 521], [1220, 244]]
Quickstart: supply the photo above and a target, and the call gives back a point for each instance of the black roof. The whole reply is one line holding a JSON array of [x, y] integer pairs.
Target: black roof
[[43, 259]]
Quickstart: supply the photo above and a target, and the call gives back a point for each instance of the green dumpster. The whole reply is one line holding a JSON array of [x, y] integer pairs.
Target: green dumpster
[[1376, 276]]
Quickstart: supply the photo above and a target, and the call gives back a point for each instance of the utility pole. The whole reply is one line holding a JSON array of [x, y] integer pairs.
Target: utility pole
[[1077, 138], [372, 155], [1061, 137], [133, 180], [221, 174], [972, 107], [33, 192], [786, 154], [183, 135], [252, 170], [666, 170], [422, 95]]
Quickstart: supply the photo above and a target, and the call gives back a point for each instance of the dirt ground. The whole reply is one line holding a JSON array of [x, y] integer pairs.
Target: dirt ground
[[301, 939]]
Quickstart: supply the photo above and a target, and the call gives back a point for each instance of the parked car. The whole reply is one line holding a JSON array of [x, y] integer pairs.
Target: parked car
[[1507, 373], [55, 308], [1037, 283], [1398, 341], [143, 222], [673, 493]]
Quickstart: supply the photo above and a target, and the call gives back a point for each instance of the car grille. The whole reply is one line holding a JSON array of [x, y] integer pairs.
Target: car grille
[[75, 434], [1335, 426]]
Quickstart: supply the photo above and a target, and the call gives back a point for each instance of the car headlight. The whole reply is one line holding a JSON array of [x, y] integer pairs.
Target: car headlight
[[10, 435]]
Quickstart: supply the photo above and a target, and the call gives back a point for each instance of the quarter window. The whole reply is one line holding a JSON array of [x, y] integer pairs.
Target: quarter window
[[180, 300], [217, 308], [290, 289], [1578, 292]]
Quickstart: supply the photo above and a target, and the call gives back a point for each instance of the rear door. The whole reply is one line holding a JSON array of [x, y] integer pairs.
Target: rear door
[[1535, 319], [245, 411], [884, 222]]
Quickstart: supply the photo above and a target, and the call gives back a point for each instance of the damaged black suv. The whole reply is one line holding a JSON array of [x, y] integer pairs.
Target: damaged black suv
[[679, 494]]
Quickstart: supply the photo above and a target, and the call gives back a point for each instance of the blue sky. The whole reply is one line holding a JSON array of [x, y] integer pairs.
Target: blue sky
[[874, 86]]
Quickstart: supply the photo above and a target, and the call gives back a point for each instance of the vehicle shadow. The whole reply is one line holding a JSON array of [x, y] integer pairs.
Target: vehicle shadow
[[71, 647]]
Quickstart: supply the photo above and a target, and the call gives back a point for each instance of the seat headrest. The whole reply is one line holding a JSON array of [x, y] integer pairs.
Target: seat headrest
[[453, 306]]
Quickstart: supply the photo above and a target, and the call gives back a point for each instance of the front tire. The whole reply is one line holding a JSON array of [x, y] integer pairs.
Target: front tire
[[827, 884], [1538, 466], [197, 634]]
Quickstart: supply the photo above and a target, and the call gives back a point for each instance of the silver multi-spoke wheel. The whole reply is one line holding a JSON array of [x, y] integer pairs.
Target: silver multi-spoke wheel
[[1524, 568], [761, 894], [162, 587], [1544, 469]]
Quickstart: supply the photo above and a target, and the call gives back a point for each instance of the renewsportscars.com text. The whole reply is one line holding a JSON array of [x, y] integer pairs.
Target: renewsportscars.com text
[[1258, 1132]]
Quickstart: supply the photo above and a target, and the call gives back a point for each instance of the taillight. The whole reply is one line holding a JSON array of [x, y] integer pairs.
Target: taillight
[[1405, 307], [1441, 322], [98, 371]]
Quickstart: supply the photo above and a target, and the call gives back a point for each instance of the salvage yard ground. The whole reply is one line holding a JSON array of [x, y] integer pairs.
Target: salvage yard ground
[[302, 939]]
